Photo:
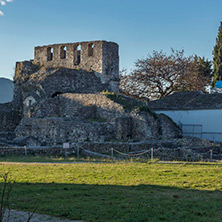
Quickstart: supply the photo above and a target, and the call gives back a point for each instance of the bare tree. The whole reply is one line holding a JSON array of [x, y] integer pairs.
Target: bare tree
[[5, 195], [7, 186], [159, 75]]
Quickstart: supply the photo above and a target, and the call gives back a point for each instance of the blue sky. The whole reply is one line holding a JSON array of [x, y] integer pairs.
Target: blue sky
[[138, 26]]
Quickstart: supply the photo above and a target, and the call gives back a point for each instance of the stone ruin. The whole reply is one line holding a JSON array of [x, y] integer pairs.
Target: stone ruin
[[70, 93], [101, 57]]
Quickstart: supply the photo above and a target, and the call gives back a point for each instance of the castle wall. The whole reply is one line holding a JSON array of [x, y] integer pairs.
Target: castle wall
[[74, 57], [47, 82], [9, 118], [88, 57], [99, 56], [110, 61], [90, 117], [80, 106]]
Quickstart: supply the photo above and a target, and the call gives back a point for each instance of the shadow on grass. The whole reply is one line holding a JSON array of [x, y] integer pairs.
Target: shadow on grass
[[118, 203]]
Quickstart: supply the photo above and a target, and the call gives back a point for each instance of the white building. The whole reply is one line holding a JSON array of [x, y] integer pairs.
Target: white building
[[197, 113]]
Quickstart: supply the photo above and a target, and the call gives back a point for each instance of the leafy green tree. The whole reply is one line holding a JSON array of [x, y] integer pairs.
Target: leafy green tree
[[217, 60]]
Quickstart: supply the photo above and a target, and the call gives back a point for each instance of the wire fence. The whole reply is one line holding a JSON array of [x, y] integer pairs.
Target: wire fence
[[150, 153], [130, 154], [114, 154], [196, 130]]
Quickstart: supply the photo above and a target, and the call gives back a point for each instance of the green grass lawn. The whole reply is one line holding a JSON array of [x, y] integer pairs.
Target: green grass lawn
[[49, 159], [119, 191], [32, 158]]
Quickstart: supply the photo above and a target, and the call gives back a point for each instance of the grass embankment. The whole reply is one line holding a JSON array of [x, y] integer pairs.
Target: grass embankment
[[119, 191]]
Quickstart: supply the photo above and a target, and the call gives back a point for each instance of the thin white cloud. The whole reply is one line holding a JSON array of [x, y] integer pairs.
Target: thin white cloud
[[2, 2]]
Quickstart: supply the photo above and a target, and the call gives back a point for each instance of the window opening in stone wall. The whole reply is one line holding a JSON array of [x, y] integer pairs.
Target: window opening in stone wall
[[63, 52], [90, 49], [30, 102], [49, 53], [77, 54]]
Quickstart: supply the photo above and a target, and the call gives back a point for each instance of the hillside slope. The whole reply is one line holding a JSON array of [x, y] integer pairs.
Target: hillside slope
[[6, 90]]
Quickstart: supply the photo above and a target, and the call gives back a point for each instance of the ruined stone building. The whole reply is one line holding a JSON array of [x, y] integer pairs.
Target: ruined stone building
[[69, 92], [72, 67], [100, 57]]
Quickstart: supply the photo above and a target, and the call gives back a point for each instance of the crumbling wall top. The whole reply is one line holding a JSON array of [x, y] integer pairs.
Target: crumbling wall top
[[101, 57]]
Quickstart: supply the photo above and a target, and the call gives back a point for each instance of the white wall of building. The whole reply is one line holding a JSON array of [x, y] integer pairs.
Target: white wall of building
[[206, 124]]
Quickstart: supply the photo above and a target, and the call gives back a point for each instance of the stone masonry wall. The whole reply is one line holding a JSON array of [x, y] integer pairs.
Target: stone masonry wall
[[9, 118], [99, 56], [111, 65], [78, 105], [55, 130], [89, 117], [93, 62], [44, 83]]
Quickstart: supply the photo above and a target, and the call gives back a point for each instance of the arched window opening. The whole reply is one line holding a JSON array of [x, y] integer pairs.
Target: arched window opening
[[77, 54], [90, 49], [56, 94], [29, 101], [78, 47], [63, 52], [49, 53]]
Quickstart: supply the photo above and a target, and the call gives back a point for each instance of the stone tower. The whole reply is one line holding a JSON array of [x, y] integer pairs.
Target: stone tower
[[101, 57]]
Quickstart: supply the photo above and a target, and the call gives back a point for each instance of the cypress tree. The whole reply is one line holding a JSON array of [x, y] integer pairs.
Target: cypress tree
[[204, 67], [217, 60]]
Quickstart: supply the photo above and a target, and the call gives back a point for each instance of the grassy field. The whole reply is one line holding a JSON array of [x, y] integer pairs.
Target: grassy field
[[119, 191], [50, 159], [32, 158]]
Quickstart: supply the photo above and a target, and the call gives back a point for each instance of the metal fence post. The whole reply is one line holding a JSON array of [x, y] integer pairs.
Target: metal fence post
[[112, 153], [151, 154], [211, 155], [77, 150], [25, 150], [65, 153]]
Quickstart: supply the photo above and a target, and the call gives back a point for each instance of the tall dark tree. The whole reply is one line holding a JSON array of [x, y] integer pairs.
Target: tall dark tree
[[204, 67], [217, 60]]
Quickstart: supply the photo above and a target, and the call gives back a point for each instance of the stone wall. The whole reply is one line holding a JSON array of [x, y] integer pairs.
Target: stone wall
[[77, 105], [45, 83], [9, 118], [85, 61], [90, 117], [186, 149], [55, 130], [99, 56]]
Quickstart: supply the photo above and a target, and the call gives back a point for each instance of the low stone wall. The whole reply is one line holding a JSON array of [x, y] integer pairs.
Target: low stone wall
[[161, 153], [45, 151]]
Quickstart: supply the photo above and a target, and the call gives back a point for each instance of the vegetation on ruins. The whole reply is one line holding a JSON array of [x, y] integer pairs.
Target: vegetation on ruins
[[126, 102], [160, 74], [119, 191], [217, 59]]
